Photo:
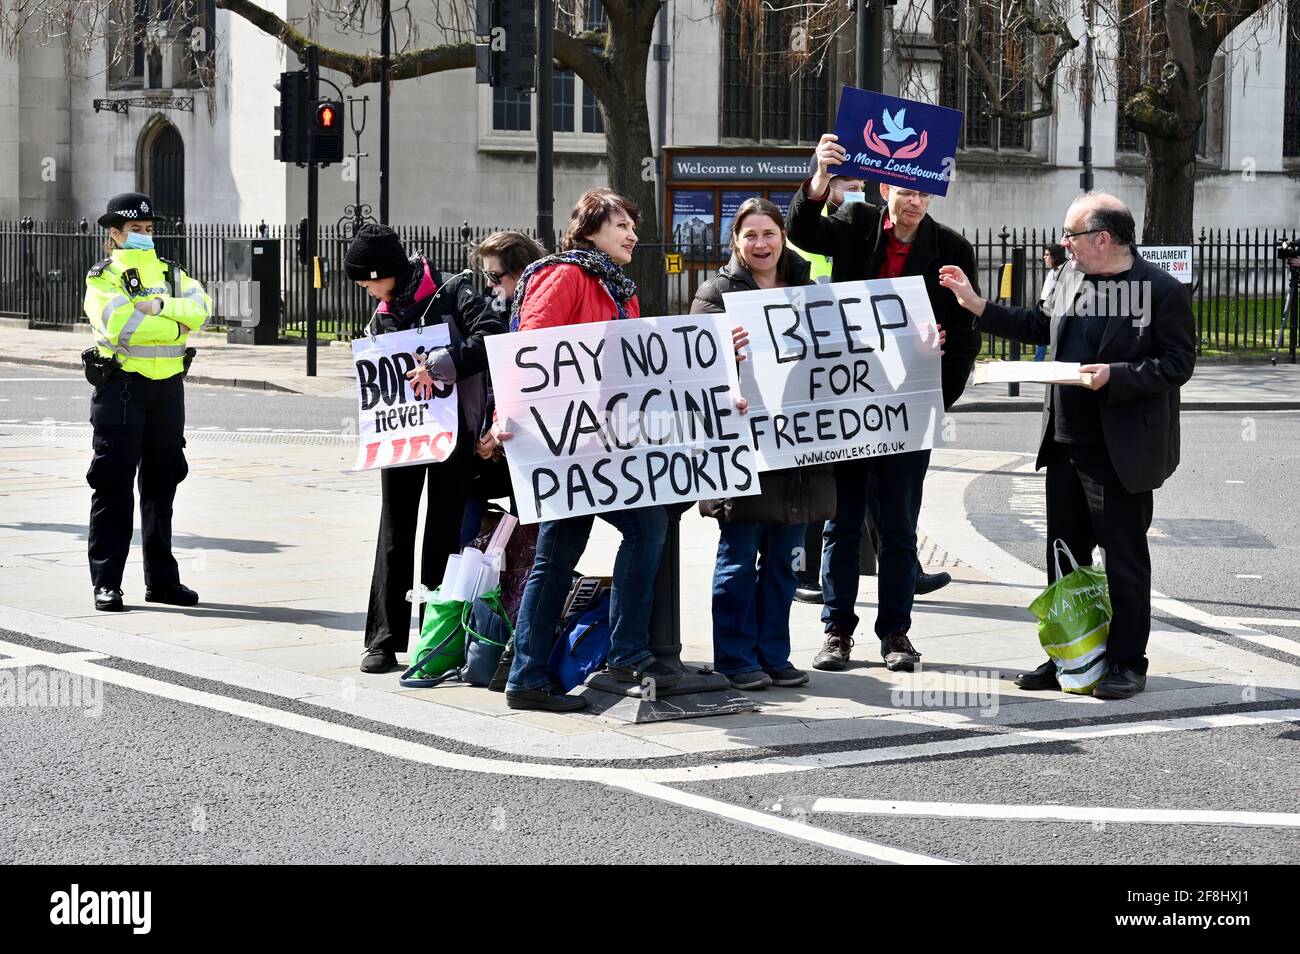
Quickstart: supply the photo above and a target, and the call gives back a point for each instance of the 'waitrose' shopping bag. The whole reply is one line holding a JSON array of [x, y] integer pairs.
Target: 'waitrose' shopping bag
[[1073, 622]]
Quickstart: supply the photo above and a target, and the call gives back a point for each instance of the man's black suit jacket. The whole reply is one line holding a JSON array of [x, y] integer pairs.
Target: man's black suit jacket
[[1151, 354]]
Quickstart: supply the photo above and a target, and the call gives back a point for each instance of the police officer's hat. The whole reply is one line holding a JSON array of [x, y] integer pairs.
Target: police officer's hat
[[127, 207]]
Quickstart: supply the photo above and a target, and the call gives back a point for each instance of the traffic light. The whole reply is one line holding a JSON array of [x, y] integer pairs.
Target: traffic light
[[507, 55], [326, 131], [290, 117]]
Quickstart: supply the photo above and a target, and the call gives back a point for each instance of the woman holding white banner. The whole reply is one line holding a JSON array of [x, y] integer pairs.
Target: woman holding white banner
[[411, 292], [762, 538], [585, 283]]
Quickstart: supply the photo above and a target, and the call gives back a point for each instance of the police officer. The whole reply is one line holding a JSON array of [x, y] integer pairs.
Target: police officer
[[141, 308]]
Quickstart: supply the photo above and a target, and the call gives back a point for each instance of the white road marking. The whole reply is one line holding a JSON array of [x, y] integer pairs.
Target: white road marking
[[776, 765], [19, 663], [35, 380], [781, 825], [968, 744], [1066, 813], [1262, 621], [78, 664], [1234, 481], [1249, 576], [646, 782]]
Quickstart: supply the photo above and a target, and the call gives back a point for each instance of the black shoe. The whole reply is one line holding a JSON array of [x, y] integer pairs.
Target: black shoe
[[1044, 677], [660, 675], [898, 652], [544, 700], [1120, 683], [835, 652], [929, 582], [379, 660], [749, 681], [178, 594], [789, 677], [808, 594], [108, 599]]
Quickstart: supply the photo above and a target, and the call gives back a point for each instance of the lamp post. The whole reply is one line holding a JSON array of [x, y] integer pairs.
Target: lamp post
[[1085, 150]]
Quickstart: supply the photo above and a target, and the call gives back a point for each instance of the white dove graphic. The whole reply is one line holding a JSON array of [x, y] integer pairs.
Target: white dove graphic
[[897, 132]]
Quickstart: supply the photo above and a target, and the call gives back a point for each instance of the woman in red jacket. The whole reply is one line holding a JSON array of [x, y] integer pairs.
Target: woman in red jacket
[[586, 282]]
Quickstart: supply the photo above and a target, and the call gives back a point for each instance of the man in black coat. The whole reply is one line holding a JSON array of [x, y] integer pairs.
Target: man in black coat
[[1106, 447], [866, 242]]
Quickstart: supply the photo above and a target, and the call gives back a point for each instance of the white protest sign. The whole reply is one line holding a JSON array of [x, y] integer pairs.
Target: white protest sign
[[394, 428], [613, 415], [1174, 259], [839, 372]]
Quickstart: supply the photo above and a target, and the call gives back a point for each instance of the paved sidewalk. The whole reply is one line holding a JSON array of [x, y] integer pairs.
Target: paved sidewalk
[[278, 540], [282, 367]]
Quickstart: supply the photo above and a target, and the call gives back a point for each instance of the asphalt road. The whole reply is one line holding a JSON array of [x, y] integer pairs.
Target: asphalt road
[[41, 395], [1226, 533], [152, 778]]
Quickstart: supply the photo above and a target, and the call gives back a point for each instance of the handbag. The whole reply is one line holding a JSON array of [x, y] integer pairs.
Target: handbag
[[583, 645]]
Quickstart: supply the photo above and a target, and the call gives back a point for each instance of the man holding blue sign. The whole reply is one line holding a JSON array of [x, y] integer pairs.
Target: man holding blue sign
[[864, 241]]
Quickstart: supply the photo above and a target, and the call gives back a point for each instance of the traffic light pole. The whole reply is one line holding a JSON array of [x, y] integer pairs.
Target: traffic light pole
[[313, 197], [545, 125], [385, 62], [869, 57]]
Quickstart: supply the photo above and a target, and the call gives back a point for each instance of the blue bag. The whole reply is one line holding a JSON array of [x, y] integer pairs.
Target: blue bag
[[582, 647]]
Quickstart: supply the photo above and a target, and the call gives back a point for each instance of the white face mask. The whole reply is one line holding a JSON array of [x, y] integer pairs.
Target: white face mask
[[853, 197]]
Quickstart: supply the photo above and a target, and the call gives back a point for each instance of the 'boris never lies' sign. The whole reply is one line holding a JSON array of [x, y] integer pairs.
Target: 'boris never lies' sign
[[899, 142], [394, 427], [612, 415]]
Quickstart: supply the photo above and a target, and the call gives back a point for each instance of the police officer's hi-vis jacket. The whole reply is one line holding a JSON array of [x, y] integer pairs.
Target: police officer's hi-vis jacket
[[120, 286]]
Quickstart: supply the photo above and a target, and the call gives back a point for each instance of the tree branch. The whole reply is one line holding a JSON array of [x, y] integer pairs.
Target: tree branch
[[571, 52]]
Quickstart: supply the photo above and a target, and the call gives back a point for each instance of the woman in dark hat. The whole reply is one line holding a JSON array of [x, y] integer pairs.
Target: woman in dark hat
[[141, 309], [411, 292]]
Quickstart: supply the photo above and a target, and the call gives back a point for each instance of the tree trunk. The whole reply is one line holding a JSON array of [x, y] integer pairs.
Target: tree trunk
[[1171, 191], [629, 154]]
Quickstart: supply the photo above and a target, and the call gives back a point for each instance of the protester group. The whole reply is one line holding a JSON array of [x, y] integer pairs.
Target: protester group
[[1106, 445]]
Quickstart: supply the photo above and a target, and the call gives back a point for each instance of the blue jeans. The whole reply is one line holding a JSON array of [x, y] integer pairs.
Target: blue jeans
[[560, 544], [891, 487], [753, 587], [1040, 353]]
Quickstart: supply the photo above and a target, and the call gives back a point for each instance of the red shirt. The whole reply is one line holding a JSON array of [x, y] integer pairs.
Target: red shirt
[[895, 252]]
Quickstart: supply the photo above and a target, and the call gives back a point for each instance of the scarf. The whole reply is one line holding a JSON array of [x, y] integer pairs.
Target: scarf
[[407, 287], [596, 264]]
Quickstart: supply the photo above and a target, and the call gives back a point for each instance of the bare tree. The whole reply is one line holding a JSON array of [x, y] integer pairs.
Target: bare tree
[[612, 62], [1154, 57]]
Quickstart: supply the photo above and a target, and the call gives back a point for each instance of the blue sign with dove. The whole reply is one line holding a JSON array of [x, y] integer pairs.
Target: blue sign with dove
[[899, 142]]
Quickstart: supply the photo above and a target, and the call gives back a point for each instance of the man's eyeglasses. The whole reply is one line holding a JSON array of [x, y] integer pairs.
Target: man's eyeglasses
[[1074, 235], [494, 278], [908, 194]]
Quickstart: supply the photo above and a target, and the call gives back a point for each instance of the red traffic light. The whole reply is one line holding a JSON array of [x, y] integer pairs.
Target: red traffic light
[[326, 115]]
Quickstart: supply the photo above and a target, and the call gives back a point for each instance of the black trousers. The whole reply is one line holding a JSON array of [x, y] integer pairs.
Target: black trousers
[[388, 621], [139, 425], [1087, 506], [811, 574]]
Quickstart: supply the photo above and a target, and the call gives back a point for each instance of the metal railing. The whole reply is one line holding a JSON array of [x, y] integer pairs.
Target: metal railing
[[1238, 292]]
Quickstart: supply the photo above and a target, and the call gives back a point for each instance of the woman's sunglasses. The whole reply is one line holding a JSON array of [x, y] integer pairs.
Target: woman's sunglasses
[[494, 278]]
